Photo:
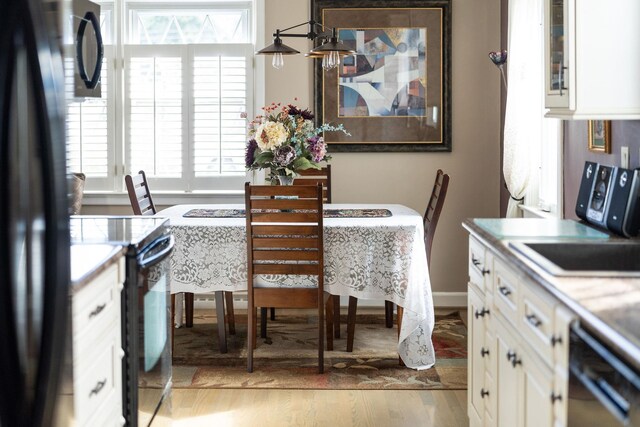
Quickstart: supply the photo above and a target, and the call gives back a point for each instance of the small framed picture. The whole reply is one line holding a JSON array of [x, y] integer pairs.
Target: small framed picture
[[600, 136]]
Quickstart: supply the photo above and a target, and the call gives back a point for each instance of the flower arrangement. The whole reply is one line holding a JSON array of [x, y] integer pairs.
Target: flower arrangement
[[285, 140]]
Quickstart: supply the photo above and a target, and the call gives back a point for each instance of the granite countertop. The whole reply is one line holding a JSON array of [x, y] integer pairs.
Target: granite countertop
[[89, 260], [610, 306]]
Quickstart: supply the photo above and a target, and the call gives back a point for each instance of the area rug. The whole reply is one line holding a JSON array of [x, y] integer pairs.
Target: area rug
[[287, 358]]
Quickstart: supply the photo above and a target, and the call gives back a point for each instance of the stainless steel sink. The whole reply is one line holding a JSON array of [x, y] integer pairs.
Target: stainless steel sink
[[584, 258]]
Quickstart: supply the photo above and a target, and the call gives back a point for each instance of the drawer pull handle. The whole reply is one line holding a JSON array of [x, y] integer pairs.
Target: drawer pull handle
[[476, 262], [484, 393], [97, 310], [534, 321], [555, 339], [511, 356], [481, 313], [99, 386], [515, 361], [484, 352], [555, 397], [504, 291]]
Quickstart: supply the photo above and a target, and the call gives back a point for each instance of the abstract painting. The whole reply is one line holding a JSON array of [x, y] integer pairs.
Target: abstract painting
[[387, 75]]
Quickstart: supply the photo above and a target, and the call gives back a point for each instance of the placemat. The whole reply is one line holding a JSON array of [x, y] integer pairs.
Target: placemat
[[328, 213]]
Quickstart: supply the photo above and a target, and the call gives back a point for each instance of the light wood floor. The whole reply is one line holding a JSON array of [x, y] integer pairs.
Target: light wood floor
[[334, 408]]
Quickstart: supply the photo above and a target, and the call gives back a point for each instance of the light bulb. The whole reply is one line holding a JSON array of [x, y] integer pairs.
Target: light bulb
[[325, 62], [334, 58], [277, 61]]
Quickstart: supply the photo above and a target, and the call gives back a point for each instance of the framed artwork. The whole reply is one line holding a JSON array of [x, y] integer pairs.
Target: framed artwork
[[394, 93], [600, 136]]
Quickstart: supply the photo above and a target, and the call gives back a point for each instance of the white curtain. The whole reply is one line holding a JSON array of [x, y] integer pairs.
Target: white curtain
[[522, 132]]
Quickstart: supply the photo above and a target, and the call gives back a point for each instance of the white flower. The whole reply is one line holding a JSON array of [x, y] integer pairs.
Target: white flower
[[270, 135]]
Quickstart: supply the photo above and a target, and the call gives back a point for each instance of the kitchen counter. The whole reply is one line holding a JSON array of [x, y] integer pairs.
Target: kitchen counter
[[89, 260], [609, 306]]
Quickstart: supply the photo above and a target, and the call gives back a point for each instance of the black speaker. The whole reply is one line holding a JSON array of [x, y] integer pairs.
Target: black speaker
[[620, 190], [584, 193], [600, 199]]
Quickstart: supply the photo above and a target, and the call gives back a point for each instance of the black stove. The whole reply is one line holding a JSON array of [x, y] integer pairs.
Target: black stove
[[146, 306]]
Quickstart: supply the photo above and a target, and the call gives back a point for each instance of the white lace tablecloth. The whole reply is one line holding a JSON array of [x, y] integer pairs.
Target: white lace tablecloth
[[373, 258]]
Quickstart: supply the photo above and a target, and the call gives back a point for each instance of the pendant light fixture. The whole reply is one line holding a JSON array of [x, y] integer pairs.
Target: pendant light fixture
[[330, 50]]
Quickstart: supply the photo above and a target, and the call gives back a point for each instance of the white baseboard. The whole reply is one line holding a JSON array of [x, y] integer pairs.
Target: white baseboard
[[440, 299]]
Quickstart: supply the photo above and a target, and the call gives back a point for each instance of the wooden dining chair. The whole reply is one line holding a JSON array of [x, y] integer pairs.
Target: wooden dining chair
[[285, 237], [430, 219], [310, 176], [142, 204]]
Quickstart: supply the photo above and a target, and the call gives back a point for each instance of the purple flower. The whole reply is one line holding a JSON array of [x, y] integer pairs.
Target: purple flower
[[284, 155], [498, 58], [250, 153], [295, 111], [317, 148]]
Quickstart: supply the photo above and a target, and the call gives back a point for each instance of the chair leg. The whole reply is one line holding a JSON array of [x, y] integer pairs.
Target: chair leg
[[231, 317], [336, 315], [351, 322], [188, 308], [251, 335], [222, 331], [388, 314], [263, 322], [173, 315], [273, 313], [321, 326], [330, 308]]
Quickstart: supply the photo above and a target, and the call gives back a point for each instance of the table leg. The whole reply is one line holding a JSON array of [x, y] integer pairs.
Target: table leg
[[400, 313], [231, 317], [222, 333]]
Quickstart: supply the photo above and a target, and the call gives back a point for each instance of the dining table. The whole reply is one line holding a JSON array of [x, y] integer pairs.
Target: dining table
[[371, 251]]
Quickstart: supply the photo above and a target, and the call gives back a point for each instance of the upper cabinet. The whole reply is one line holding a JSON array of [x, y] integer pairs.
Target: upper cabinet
[[592, 65]]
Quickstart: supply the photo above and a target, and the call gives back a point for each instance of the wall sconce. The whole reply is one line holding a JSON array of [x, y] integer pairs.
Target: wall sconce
[[330, 50]]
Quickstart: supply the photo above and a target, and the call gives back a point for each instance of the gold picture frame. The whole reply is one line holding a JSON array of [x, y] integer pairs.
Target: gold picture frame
[[599, 136], [412, 110]]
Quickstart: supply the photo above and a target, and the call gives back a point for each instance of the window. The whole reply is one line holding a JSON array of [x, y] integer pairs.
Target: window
[[172, 108], [533, 143]]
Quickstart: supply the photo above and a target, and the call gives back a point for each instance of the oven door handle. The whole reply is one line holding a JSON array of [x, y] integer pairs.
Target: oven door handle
[[145, 262], [605, 393]]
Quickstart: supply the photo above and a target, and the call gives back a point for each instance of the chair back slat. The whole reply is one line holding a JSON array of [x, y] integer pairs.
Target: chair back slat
[[280, 230], [288, 269], [278, 203], [288, 255], [434, 208], [295, 242], [139, 194]]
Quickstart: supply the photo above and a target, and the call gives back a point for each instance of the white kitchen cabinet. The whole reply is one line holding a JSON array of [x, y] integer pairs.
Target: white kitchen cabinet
[[478, 377], [591, 61], [518, 348], [97, 349]]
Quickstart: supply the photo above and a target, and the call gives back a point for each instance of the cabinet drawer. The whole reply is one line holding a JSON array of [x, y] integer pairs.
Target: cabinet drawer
[[98, 304], [95, 379], [506, 290], [537, 321], [479, 268]]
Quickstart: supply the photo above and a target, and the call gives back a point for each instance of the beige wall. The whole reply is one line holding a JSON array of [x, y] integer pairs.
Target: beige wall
[[407, 178]]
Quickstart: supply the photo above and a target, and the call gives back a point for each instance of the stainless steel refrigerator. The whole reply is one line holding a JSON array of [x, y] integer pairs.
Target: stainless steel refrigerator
[[34, 237]]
